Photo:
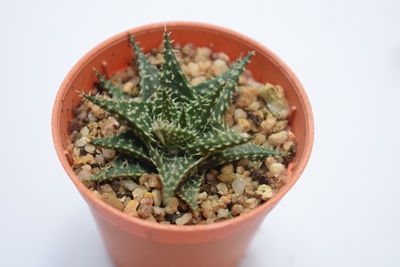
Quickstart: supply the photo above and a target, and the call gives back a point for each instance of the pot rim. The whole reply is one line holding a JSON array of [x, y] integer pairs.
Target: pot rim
[[88, 195]]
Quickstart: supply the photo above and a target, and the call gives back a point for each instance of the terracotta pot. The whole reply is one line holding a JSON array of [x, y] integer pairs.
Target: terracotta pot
[[135, 242]]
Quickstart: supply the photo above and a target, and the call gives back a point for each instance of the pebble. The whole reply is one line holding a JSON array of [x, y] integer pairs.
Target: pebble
[[207, 209], [145, 211], [218, 67], [278, 138], [251, 203], [254, 106], [227, 175], [238, 185], [84, 175], [244, 124], [172, 205], [84, 131], [99, 159], [202, 196], [128, 88], [159, 213], [157, 197], [280, 126], [239, 114], [276, 169], [139, 192], [222, 189], [81, 142], [193, 69], [112, 200], [222, 213], [184, 219], [131, 208], [237, 209], [147, 199], [108, 153], [288, 145], [96, 112], [197, 80], [259, 139], [265, 191], [90, 148], [129, 184], [203, 53], [268, 124]]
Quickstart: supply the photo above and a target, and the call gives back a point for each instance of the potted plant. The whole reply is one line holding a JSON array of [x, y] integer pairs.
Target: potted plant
[[170, 133]]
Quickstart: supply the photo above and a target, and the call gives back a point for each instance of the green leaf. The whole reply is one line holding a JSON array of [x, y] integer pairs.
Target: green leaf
[[172, 170], [119, 169], [112, 89], [171, 135], [190, 189], [172, 75], [134, 114], [232, 73], [232, 78], [149, 74], [199, 112], [245, 151], [217, 138], [164, 107], [123, 142]]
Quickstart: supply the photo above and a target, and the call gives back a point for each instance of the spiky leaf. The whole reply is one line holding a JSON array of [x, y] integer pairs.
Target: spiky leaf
[[199, 112], [112, 89], [172, 135], [135, 114], [231, 78], [232, 73], [164, 107], [189, 191], [216, 139], [172, 170], [245, 151], [172, 75], [149, 74], [119, 169], [123, 142]]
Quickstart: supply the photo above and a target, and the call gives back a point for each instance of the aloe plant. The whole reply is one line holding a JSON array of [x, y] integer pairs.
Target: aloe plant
[[175, 129]]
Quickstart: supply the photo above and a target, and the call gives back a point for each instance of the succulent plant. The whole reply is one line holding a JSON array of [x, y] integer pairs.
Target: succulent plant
[[174, 129]]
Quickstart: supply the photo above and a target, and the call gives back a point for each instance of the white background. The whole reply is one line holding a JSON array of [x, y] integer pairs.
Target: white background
[[344, 211]]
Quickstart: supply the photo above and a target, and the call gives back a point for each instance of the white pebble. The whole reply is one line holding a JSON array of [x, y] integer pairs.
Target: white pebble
[[223, 213], [193, 69], [219, 66], [90, 148], [239, 114], [84, 174], [278, 138], [129, 184], [157, 197], [81, 142], [276, 169], [99, 159], [108, 153], [238, 185], [85, 131], [265, 191], [184, 219]]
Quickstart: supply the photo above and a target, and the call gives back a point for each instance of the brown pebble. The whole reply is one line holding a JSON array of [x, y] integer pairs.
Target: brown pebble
[[112, 200], [131, 208]]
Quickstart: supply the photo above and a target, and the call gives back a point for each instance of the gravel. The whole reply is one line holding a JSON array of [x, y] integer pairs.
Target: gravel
[[228, 191]]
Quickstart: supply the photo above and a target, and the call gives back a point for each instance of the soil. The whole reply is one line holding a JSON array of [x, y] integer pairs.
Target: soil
[[230, 190]]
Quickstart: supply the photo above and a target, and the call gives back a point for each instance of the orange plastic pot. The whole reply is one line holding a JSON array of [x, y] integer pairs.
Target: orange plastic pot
[[135, 242]]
